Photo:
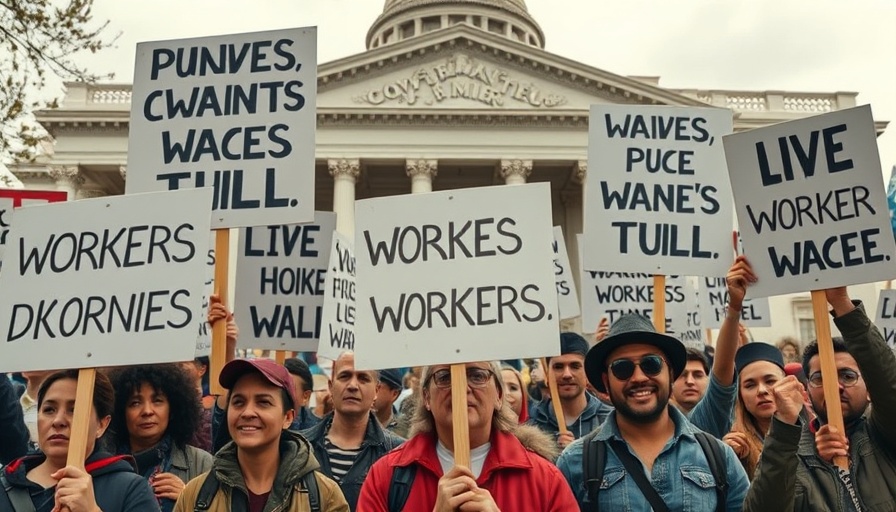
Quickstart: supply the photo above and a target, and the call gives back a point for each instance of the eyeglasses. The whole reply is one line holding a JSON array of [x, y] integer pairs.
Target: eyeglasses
[[623, 369], [476, 378], [847, 378]]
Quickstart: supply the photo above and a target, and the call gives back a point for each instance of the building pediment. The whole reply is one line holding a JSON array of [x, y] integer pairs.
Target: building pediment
[[465, 68]]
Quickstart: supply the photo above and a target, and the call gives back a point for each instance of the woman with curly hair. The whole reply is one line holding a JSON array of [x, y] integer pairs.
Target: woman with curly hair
[[156, 414]]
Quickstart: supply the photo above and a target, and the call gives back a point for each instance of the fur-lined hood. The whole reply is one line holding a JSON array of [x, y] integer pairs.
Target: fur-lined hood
[[537, 441]]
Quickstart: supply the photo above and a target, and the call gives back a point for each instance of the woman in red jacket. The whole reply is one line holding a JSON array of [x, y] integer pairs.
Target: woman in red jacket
[[504, 475]]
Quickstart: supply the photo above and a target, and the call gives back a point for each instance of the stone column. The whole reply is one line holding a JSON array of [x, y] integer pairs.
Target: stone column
[[515, 172], [345, 174], [68, 179], [421, 173]]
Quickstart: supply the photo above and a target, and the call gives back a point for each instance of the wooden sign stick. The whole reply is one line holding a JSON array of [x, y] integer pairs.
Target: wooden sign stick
[[280, 357], [77, 442], [659, 303], [555, 396], [459, 415], [829, 375], [709, 336], [219, 331]]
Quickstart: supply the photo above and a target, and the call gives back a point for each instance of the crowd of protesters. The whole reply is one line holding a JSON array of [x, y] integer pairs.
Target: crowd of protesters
[[647, 424]]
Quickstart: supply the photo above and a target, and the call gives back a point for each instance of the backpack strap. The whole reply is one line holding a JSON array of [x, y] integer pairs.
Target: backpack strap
[[635, 470], [400, 486], [594, 458], [206, 492], [310, 482], [717, 465], [19, 498]]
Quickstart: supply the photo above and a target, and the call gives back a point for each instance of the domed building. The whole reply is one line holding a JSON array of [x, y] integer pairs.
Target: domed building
[[448, 94]]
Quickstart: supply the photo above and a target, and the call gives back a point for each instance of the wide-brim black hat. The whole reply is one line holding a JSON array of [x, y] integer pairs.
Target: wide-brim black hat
[[633, 328]]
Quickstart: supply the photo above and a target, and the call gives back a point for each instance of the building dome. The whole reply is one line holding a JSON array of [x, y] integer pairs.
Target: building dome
[[404, 19]]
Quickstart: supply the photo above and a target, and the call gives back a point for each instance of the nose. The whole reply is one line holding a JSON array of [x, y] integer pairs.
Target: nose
[[567, 372], [147, 410], [638, 375], [60, 419], [689, 378], [762, 389]]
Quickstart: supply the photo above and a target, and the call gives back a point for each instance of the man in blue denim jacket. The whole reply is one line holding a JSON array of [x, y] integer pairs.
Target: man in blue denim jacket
[[636, 366]]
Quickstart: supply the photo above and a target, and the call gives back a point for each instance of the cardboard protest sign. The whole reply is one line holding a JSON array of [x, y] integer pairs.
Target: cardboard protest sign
[[204, 335], [466, 277], [339, 300], [886, 316], [5, 223], [235, 112], [21, 197], [567, 297], [657, 198], [811, 204], [104, 282], [713, 296], [612, 294], [689, 327], [280, 276]]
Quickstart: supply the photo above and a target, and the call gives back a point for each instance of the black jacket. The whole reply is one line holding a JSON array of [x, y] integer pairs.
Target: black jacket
[[14, 441], [116, 487], [377, 442]]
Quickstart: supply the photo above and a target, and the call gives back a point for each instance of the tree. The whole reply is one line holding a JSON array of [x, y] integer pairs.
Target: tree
[[39, 40]]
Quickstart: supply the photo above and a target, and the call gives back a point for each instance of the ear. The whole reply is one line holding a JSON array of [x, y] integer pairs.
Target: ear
[[103, 425], [605, 378], [425, 394], [306, 395], [288, 418]]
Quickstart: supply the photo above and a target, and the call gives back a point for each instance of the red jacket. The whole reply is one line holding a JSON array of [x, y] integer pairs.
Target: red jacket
[[518, 479]]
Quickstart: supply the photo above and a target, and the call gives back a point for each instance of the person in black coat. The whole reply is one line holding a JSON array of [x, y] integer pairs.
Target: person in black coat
[[14, 441]]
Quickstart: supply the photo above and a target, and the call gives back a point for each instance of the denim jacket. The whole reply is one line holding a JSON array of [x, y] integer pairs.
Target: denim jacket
[[595, 413], [713, 413], [680, 474]]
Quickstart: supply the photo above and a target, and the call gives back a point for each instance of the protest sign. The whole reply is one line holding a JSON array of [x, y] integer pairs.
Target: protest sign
[[567, 297], [234, 112], [689, 326], [339, 300], [657, 198], [21, 197], [713, 296], [204, 335], [280, 275], [466, 277], [5, 222], [811, 204], [886, 316], [613, 294], [104, 282]]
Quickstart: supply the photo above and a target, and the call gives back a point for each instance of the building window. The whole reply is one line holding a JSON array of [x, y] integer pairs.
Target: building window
[[518, 34], [432, 23], [388, 36], [805, 320], [496, 26], [456, 20], [407, 30]]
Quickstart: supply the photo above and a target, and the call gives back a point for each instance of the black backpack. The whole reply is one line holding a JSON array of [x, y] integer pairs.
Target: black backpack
[[19, 498], [400, 486], [210, 488], [594, 458]]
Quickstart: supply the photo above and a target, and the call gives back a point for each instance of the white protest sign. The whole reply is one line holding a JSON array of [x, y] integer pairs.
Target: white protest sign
[[235, 112], [613, 294], [713, 296], [104, 282], [657, 197], [204, 335], [886, 316], [467, 276], [339, 300], [689, 327], [811, 204], [280, 274], [5, 222], [567, 297]]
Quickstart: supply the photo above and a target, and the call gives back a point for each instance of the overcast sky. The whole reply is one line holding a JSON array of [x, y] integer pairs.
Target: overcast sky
[[791, 45]]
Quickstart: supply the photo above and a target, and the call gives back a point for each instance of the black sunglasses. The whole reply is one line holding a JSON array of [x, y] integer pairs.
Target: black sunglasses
[[623, 369]]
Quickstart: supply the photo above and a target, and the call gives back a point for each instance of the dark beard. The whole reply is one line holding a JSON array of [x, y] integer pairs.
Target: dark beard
[[650, 416]]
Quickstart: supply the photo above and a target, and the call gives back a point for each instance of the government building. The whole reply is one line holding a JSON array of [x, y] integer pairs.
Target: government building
[[448, 94]]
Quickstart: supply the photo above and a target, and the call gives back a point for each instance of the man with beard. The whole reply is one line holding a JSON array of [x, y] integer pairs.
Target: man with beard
[[795, 469], [581, 411], [647, 455], [350, 439]]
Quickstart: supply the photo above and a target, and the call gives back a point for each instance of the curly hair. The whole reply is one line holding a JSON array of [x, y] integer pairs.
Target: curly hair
[[170, 380]]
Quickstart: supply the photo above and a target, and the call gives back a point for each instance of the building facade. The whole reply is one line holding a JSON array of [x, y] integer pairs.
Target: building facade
[[449, 94]]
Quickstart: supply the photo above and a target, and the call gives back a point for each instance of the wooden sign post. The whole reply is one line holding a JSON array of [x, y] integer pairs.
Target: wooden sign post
[[659, 303], [829, 374], [459, 415], [555, 396], [219, 330], [77, 442]]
